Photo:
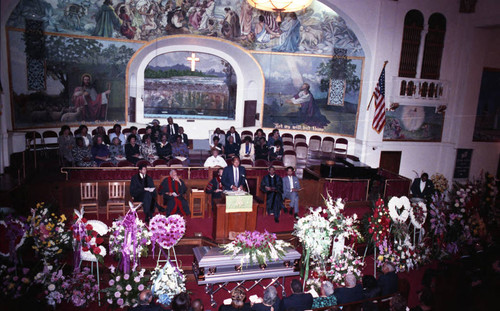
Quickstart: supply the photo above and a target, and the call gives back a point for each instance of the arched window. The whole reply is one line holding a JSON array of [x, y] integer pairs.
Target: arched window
[[414, 24], [433, 50]]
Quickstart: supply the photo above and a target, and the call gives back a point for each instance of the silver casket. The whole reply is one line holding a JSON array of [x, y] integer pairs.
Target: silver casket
[[211, 266]]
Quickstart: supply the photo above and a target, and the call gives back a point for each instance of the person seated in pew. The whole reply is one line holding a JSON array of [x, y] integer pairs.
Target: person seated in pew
[[274, 138], [388, 280], [276, 152], [298, 300], [221, 138], [262, 150], [235, 135], [232, 149], [163, 148], [83, 131], [102, 132], [181, 302], [215, 160], [100, 152], [142, 189], [81, 154], [326, 298], [351, 292], [133, 132], [370, 290], [197, 305], [132, 150], [258, 135], [180, 149], [148, 149], [146, 302], [66, 143], [117, 132], [219, 146], [184, 137], [269, 302], [116, 150], [173, 189], [215, 187], [238, 296], [247, 149]]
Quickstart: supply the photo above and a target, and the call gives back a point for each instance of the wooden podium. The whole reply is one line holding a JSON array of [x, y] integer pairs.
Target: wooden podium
[[227, 222]]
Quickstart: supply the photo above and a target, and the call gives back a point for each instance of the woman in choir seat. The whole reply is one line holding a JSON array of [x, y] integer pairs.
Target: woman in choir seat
[[163, 148], [217, 145], [148, 149], [81, 154], [231, 148], [132, 151], [66, 144], [173, 189], [83, 131], [261, 150], [102, 132], [247, 150], [100, 152], [276, 152], [221, 137], [116, 150]]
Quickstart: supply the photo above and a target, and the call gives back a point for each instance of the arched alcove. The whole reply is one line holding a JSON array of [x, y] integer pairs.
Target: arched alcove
[[250, 80]]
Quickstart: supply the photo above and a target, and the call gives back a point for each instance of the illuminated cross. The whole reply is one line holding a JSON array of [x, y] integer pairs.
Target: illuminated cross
[[193, 59]]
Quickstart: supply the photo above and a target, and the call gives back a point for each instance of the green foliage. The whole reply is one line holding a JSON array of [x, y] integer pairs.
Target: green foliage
[[339, 68]]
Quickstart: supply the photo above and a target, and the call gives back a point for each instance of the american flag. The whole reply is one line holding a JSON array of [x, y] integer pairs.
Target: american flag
[[379, 96]]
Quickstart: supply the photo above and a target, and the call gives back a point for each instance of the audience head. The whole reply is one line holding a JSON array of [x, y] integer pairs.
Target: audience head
[[238, 296], [290, 170], [276, 133], [216, 140], [117, 128], [388, 267], [181, 130], [220, 171], [99, 139], [296, 286], [197, 305], [100, 130], [259, 133], [163, 137], [217, 131], [236, 161], [350, 280], [247, 139], [181, 302], [271, 170], [173, 174], [116, 141], [424, 177], [398, 303], [164, 128], [79, 141], [170, 120], [156, 122], [215, 151], [277, 143], [270, 295], [230, 139], [131, 139], [65, 130], [369, 281], [146, 138], [145, 297], [133, 130], [327, 288], [149, 130], [178, 139], [232, 129], [83, 129], [143, 168], [262, 141]]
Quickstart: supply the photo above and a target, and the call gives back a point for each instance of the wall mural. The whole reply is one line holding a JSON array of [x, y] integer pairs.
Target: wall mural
[[206, 89], [312, 35], [85, 81], [413, 123]]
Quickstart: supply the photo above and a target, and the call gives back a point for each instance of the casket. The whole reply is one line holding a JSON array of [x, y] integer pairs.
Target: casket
[[212, 266]]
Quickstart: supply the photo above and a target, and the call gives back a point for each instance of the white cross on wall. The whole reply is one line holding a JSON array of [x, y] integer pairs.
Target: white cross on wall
[[193, 59]]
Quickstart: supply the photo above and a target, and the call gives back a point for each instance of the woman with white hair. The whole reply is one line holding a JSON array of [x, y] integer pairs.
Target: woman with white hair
[[327, 298], [351, 292], [270, 301]]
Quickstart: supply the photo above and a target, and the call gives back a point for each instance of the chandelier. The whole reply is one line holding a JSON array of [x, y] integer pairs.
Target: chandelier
[[279, 6]]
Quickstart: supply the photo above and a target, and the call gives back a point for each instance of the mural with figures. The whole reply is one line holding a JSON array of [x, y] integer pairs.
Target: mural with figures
[[85, 82], [99, 37], [189, 85], [414, 123]]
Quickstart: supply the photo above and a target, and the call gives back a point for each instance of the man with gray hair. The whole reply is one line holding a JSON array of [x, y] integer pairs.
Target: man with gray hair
[[351, 292], [173, 190], [326, 297], [388, 281], [145, 298], [270, 300]]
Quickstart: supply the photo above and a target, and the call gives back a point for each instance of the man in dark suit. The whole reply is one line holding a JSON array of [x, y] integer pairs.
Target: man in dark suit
[[142, 189], [183, 136], [172, 130], [298, 300], [233, 177], [351, 292], [388, 280], [145, 298], [272, 185], [422, 187]]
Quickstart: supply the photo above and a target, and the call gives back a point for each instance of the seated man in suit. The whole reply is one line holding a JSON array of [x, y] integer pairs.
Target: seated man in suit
[[351, 292], [173, 189], [422, 187], [184, 137], [291, 188], [388, 280], [142, 189], [233, 177], [272, 185], [145, 299], [298, 300]]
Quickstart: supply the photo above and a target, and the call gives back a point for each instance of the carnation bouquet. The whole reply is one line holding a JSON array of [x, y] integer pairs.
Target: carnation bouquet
[[168, 281], [347, 262], [86, 239], [379, 223], [124, 288], [418, 214], [167, 231], [52, 281], [81, 288], [256, 247], [440, 182], [47, 231]]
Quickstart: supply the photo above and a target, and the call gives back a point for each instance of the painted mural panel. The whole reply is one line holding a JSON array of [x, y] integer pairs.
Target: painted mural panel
[[189, 85], [413, 123], [84, 82], [297, 92], [317, 30], [487, 127]]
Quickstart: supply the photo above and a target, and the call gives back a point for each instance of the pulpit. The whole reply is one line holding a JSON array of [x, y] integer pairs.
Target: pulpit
[[234, 214]]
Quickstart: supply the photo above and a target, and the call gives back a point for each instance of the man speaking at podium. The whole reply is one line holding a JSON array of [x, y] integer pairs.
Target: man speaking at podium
[[233, 177]]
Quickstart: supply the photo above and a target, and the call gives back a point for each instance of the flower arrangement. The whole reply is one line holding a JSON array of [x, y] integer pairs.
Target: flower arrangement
[[167, 232], [129, 239], [318, 275], [438, 221], [81, 287], [343, 227], [86, 239], [47, 231], [396, 204], [346, 262], [418, 214], [53, 283], [407, 254], [124, 288], [256, 247], [440, 182], [168, 281], [379, 223], [15, 282], [386, 254], [15, 233], [315, 233]]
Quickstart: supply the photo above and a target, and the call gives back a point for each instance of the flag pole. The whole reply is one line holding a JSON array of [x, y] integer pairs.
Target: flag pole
[[373, 94]]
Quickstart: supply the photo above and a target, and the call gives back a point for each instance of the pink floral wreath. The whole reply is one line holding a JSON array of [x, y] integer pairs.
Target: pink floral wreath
[[167, 232]]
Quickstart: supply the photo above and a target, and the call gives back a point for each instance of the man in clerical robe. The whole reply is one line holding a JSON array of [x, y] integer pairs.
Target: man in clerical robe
[[173, 189], [93, 104], [272, 185]]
